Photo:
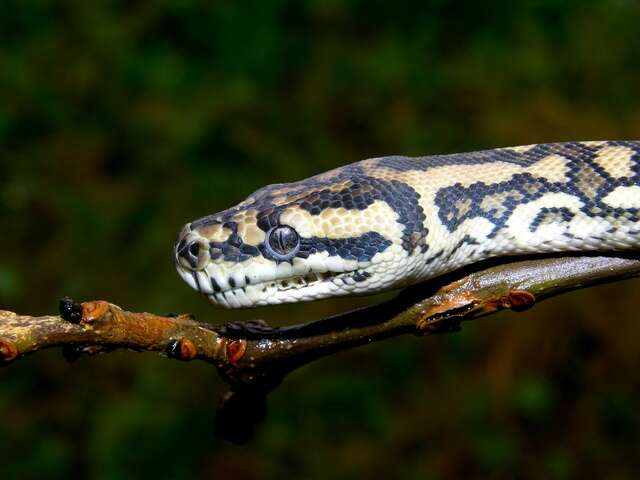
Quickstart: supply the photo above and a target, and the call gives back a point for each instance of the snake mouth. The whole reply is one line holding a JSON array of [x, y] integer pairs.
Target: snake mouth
[[238, 292], [268, 292]]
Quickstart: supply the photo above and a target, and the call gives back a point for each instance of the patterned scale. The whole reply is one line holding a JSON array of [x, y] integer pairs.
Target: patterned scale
[[389, 222]]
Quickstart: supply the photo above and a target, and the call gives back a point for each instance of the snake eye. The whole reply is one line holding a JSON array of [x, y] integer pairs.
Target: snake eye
[[282, 242]]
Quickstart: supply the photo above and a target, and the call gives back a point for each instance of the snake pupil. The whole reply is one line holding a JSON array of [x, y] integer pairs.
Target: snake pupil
[[283, 241]]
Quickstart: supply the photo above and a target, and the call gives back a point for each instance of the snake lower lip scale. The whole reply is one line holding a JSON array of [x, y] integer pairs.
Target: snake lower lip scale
[[240, 295], [389, 222]]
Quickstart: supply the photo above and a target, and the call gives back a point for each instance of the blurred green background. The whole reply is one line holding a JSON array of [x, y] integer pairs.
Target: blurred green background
[[120, 121]]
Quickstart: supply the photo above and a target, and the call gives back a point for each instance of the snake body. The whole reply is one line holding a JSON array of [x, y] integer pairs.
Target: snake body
[[394, 221]]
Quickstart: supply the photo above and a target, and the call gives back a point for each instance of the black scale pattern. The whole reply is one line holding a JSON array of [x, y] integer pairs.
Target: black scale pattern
[[524, 188], [551, 213], [362, 192], [404, 200]]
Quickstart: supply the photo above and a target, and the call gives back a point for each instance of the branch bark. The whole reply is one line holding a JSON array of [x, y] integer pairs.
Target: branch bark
[[254, 358]]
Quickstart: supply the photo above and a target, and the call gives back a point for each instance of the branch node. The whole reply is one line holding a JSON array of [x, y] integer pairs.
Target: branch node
[[8, 351], [235, 351], [442, 322], [92, 311], [182, 349], [518, 300]]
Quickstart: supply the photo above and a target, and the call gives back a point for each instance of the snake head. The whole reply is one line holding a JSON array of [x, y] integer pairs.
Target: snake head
[[326, 236]]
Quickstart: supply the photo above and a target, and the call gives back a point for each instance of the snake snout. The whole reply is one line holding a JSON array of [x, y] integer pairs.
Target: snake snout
[[191, 251]]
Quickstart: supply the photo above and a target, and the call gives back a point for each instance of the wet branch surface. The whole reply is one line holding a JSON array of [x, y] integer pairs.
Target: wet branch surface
[[254, 358]]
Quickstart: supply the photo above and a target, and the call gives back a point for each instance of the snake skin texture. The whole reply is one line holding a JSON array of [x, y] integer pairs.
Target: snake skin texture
[[389, 222]]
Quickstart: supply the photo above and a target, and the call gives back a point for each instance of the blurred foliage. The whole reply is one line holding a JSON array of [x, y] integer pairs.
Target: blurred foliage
[[120, 121]]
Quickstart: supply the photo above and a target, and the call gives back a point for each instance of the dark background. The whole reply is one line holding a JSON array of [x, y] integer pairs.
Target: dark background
[[120, 121]]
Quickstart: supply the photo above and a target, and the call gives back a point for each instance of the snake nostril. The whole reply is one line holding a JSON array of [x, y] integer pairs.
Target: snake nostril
[[191, 254]]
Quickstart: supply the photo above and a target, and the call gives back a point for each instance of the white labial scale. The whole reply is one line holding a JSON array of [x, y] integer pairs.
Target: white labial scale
[[308, 293], [322, 289], [345, 265], [231, 299], [300, 267], [259, 293], [254, 274], [189, 278], [251, 292], [284, 270], [218, 298], [242, 298], [204, 282], [317, 262], [335, 264], [215, 272], [261, 271], [277, 299], [238, 276]]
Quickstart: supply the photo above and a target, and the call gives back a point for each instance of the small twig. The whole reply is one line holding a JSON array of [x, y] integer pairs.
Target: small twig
[[98, 326], [254, 361]]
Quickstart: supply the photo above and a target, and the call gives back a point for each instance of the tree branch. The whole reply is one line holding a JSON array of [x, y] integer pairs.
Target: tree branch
[[253, 359]]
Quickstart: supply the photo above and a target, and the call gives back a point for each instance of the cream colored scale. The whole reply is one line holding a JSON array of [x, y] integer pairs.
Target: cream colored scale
[[262, 280]]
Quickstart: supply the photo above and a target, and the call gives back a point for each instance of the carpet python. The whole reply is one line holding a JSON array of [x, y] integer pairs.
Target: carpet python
[[390, 222]]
